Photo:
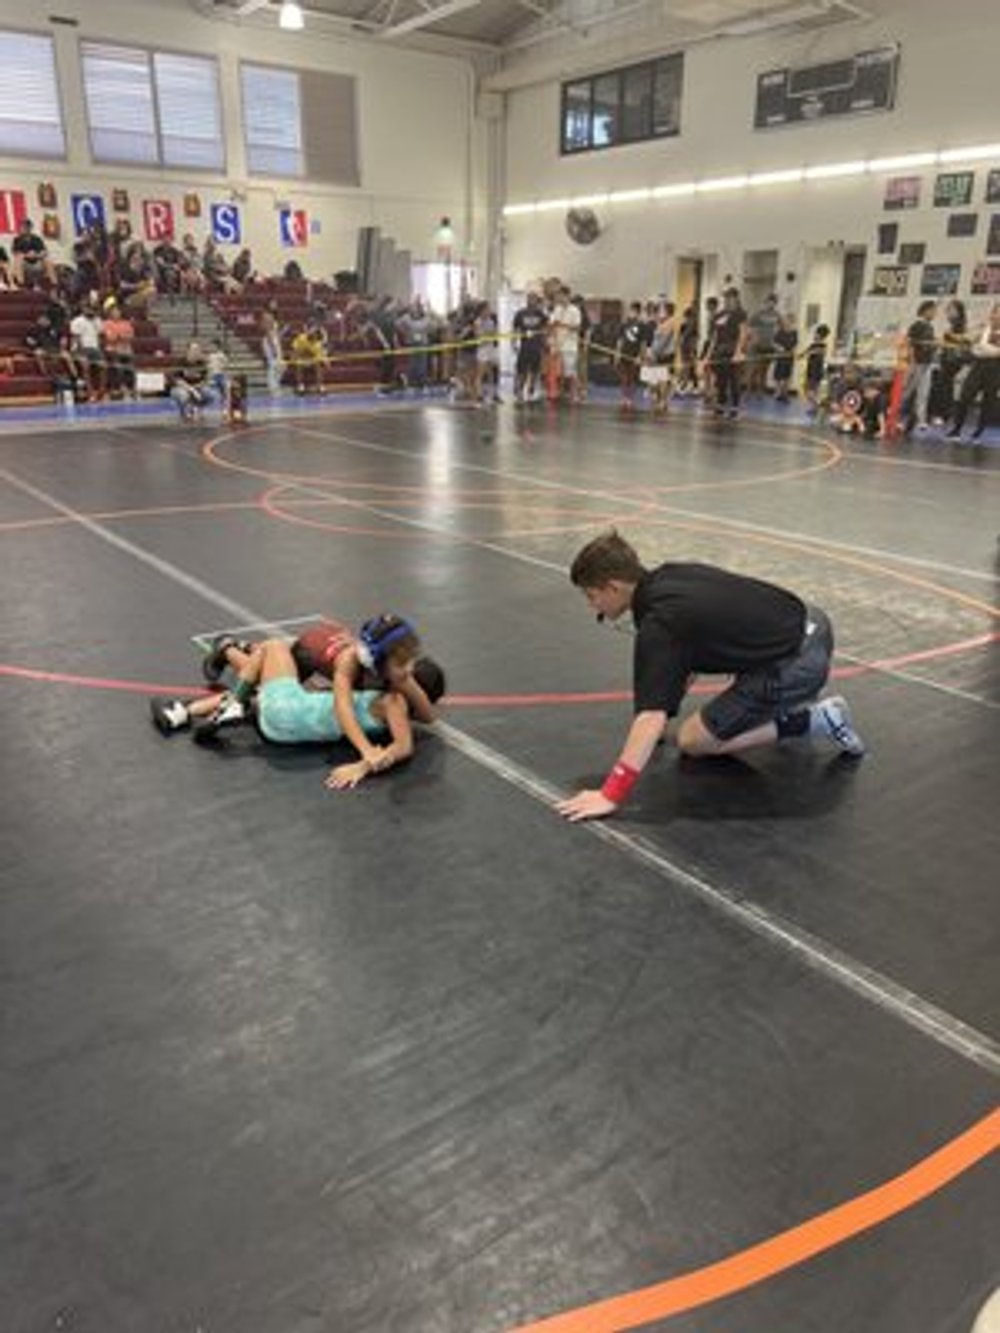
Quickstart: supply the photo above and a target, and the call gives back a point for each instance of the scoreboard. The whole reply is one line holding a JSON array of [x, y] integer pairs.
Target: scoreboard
[[861, 83]]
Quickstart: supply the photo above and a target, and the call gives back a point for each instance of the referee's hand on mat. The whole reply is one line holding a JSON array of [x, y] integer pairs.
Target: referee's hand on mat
[[585, 805]]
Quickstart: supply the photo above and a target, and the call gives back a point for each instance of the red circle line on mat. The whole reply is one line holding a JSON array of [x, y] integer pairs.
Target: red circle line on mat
[[786, 1250]]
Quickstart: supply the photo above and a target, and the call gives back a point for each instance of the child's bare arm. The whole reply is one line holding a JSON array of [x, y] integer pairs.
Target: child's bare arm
[[345, 674], [397, 718]]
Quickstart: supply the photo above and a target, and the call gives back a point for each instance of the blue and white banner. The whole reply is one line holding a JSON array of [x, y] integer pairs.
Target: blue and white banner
[[226, 225], [88, 210]]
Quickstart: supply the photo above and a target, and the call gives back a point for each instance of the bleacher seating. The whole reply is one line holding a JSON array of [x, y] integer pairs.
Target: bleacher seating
[[296, 303], [20, 379]]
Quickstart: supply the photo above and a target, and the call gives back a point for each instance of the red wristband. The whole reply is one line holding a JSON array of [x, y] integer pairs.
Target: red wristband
[[619, 782]]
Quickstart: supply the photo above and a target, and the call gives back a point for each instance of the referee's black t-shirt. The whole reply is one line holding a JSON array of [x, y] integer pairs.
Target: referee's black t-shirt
[[692, 617]]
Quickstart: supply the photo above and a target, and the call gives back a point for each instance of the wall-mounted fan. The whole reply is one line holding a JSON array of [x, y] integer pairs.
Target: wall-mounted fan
[[582, 225]]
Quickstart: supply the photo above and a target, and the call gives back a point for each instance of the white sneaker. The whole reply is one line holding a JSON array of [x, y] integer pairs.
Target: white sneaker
[[169, 715], [230, 713], [832, 718]]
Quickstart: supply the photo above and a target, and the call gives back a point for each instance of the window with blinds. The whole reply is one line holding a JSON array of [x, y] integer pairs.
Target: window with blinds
[[153, 108], [272, 121], [300, 124], [31, 122]]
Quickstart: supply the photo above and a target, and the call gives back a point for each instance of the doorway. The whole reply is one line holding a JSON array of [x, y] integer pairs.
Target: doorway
[[850, 294]]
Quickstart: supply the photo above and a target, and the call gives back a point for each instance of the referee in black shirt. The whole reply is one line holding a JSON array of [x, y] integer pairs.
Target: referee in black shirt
[[692, 618]]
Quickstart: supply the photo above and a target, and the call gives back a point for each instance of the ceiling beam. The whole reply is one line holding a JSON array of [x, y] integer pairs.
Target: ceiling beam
[[430, 14]]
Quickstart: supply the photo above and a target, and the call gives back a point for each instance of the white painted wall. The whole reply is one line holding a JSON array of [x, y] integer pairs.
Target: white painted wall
[[949, 95], [415, 116]]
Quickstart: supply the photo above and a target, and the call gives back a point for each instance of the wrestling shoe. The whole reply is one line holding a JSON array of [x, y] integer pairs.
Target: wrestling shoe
[[230, 713], [215, 661], [169, 715], [832, 718]]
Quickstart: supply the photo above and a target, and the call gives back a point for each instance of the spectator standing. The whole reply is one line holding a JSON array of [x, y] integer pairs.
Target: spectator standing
[[727, 351], [530, 323], [659, 372], [487, 355], [982, 381], [630, 350], [218, 372], [687, 344], [416, 329], [956, 353], [583, 365], [706, 367], [565, 325], [920, 350], [816, 354], [270, 342], [786, 339], [763, 326]]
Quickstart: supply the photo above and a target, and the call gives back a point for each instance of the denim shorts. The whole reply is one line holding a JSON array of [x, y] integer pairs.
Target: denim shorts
[[771, 692]]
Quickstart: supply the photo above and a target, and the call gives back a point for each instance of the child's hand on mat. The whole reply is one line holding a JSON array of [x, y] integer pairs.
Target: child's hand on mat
[[346, 776]]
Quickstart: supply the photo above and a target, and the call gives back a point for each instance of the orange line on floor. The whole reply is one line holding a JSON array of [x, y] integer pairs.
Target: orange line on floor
[[786, 1250]]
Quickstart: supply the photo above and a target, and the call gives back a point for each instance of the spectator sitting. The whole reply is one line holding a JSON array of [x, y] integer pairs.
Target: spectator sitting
[[136, 284], [216, 270], [242, 270], [88, 277], [85, 332], [119, 349], [308, 356], [31, 263], [192, 274], [48, 340], [169, 262], [190, 389]]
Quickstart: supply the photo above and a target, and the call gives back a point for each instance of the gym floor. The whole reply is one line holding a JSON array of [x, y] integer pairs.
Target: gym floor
[[421, 1057]]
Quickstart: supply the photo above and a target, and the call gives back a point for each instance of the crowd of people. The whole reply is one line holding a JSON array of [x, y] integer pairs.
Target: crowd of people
[[85, 337]]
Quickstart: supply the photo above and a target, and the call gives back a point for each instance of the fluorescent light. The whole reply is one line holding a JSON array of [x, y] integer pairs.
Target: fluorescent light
[[776, 177], [673, 191], [291, 18], [784, 176], [831, 169], [970, 154], [723, 183], [902, 163]]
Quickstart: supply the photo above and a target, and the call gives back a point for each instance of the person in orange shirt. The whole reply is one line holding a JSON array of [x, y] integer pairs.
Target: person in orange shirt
[[119, 349]]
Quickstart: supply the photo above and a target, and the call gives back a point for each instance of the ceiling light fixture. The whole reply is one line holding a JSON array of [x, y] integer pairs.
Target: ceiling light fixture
[[291, 17]]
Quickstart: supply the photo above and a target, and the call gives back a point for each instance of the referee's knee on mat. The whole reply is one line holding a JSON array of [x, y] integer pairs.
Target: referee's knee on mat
[[694, 738]]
